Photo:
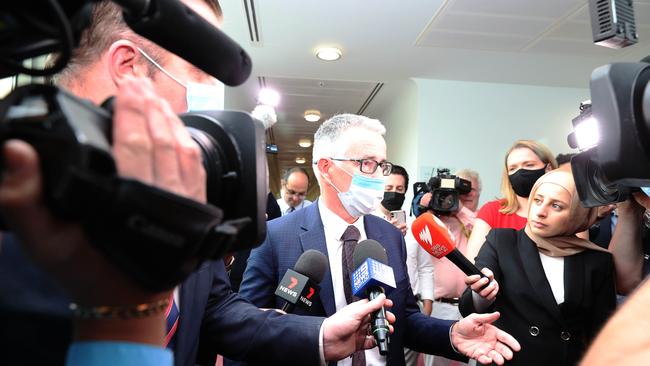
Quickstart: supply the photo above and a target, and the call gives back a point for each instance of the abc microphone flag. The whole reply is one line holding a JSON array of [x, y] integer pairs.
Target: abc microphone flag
[[435, 238]]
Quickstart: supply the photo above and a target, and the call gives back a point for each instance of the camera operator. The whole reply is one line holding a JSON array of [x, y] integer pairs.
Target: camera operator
[[624, 338], [471, 199], [449, 280], [150, 144], [625, 233]]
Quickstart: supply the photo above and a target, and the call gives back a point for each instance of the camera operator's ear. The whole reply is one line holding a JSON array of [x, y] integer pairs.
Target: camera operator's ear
[[123, 59], [324, 166]]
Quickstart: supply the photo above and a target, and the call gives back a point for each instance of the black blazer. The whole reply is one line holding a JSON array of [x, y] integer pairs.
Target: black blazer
[[549, 334]]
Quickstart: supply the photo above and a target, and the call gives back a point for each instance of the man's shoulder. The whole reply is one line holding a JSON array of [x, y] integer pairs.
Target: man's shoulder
[[378, 224], [292, 222], [376, 220]]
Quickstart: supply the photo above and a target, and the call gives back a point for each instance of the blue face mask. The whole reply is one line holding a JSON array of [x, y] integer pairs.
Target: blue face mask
[[363, 196], [646, 190], [199, 97]]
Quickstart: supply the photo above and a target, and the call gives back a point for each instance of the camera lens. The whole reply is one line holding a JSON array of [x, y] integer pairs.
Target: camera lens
[[445, 200]]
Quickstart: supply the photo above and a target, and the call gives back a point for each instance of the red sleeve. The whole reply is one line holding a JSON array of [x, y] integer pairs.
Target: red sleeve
[[489, 212]]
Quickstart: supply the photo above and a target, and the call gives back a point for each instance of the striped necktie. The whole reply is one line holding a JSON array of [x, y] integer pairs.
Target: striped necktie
[[172, 315]]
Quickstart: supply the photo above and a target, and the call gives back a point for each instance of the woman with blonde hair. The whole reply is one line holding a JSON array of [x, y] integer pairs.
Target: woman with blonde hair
[[524, 163]]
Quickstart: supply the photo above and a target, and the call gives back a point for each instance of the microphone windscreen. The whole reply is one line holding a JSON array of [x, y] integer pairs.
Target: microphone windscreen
[[208, 48], [312, 264], [432, 235], [369, 249]]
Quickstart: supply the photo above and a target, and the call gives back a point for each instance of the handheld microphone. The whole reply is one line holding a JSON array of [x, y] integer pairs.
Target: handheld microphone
[[299, 286], [371, 278], [434, 237], [191, 37]]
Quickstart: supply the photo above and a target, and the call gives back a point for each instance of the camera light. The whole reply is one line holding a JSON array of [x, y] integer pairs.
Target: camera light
[[269, 97], [266, 114], [587, 133]]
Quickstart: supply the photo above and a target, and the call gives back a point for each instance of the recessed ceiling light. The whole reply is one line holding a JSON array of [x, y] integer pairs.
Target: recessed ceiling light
[[304, 143], [312, 115], [300, 160], [328, 53]]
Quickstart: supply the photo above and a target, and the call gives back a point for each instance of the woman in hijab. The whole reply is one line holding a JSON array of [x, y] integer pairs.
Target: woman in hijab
[[553, 289]]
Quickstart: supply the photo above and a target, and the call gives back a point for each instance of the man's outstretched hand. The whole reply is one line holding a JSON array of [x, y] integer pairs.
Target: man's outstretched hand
[[476, 337]]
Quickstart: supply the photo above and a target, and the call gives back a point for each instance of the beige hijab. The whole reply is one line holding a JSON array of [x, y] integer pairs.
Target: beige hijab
[[566, 243]]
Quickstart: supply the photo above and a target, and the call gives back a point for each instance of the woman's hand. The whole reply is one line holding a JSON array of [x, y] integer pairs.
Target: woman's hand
[[487, 288]]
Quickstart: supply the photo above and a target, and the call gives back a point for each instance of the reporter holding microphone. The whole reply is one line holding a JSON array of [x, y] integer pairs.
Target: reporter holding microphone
[[553, 289]]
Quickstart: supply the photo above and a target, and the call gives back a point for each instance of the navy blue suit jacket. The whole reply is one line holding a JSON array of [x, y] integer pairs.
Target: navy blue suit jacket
[[225, 323], [289, 236]]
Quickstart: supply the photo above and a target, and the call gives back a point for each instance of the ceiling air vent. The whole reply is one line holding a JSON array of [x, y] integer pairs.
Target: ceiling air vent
[[372, 96], [253, 24]]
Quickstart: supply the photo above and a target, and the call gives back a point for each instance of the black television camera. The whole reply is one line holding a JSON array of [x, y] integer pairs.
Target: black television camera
[[445, 189], [613, 135], [156, 237]]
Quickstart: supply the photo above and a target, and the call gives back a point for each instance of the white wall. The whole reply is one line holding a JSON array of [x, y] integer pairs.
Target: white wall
[[457, 124], [471, 125], [396, 105]]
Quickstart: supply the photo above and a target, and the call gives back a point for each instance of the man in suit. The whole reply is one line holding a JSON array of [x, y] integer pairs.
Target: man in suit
[[295, 184], [150, 145], [350, 158]]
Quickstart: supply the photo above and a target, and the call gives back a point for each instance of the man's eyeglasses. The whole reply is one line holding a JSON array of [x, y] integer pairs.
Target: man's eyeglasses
[[370, 166]]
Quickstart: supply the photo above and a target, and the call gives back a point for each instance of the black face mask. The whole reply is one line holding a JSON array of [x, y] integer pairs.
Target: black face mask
[[393, 201], [523, 180]]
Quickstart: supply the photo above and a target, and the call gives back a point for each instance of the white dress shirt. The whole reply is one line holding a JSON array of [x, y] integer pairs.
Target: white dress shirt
[[334, 227], [554, 270], [285, 208], [418, 262]]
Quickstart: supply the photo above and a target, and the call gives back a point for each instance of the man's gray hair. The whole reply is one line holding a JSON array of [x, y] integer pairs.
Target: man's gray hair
[[330, 131], [470, 174]]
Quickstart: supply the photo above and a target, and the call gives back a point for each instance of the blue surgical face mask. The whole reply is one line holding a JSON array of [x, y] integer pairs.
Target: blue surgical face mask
[[363, 196], [199, 97]]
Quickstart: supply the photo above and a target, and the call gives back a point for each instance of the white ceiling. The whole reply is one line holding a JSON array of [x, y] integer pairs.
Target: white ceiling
[[538, 42]]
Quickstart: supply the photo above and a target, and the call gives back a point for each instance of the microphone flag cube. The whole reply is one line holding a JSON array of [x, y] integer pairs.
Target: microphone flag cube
[[432, 235], [291, 286], [372, 273]]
